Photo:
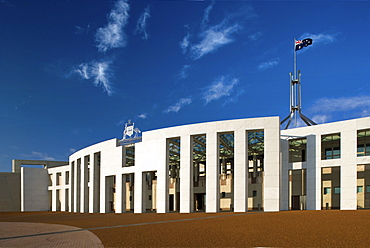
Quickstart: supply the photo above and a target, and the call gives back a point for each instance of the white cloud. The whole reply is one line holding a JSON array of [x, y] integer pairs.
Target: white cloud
[[223, 86], [184, 44], [112, 36], [181, 103], [269, 64], [72, 150], [365, 113], [321, 118], [38, 155], [329, 105], [206, 14], [184, 72], [255, 36], [213, 38], [99, 71], [318, 39], [141, 23], [143, 116]]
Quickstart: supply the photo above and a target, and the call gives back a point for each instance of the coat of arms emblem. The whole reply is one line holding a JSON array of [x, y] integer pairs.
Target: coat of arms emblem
[[131, 134]]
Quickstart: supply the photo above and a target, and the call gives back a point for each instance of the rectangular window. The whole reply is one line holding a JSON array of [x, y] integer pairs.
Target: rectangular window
[[67, 178], [256, 147], [327, 191], [254, 193], [59, 178], [367, 189], [297, 150], [363, 143], [360, 189], [336, 190], [173, 153], [330, 146], [129, 151]]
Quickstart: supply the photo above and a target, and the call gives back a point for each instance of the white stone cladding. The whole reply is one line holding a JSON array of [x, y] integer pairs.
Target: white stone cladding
[[96, 173]]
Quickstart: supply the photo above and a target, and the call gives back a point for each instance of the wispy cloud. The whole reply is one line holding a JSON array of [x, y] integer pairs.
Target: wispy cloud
[[81, 30], [222, 86], [269, 64], [206, 14], [330, 105], [184, 72], [180, 104], [141, 23], [318, 39], [143, 116], [321, 118], [213, 38], [184, 44], [255, 36], [72, 150], [99, 71], [38, 155], [112, 36]]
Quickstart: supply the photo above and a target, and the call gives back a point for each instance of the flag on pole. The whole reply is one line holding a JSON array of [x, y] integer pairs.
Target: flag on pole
[[299, 44]]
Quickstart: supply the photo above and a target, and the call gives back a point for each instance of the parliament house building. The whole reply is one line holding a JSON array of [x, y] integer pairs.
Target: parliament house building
[[232, 165]]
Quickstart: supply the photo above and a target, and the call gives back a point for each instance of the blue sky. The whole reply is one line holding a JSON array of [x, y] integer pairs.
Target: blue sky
[[73, 72]]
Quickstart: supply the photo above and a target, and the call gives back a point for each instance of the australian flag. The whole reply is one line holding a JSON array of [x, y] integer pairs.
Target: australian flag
[[299, 44]]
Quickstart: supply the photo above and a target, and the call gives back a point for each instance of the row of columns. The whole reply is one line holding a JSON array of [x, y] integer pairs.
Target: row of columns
[[314, 164]]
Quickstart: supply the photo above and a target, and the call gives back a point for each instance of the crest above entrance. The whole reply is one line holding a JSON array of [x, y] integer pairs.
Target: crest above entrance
[[131, 134]]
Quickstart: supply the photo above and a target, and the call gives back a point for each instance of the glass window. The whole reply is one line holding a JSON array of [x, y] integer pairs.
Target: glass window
[[330, 146], [254, 193], [297, 150], [360, 189], [67, 178], [327, 191], [256, 147], [368, 189], [336, 190], [363, 143], [129, 155]]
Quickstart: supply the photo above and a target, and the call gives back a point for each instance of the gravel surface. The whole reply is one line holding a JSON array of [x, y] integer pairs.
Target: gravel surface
[[332, 228]]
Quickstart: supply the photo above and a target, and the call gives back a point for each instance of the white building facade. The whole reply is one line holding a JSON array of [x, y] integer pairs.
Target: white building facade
[[233, 165]]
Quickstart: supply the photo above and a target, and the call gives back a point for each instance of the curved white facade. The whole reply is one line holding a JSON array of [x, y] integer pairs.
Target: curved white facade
[[235, 165]]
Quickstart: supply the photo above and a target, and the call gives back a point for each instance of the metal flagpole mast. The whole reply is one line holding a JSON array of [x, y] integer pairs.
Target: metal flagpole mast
[[295, 89], [295, 60], [294, 83]]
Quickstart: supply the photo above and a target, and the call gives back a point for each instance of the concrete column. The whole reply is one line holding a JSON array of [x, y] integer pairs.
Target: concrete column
[[313, 182], [83, 169], [76, 187], [212, 173], [138, 192], [272, 167], [118, 193], [102, 194], [162, 177], [284, 184], [186, 175], [348, 170], [62, 192], [91, 184], [54, 192], [123, 193], [240, 173], [71, 186]]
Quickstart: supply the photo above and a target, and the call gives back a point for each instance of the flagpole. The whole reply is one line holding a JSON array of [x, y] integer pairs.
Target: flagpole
[[295, 60]]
